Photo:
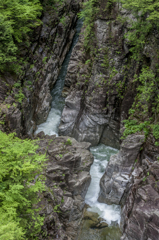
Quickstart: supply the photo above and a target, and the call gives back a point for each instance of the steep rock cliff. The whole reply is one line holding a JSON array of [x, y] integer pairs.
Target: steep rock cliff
[[117, 178], [102, 91], [98, 101], [67, 181], [25, 98]]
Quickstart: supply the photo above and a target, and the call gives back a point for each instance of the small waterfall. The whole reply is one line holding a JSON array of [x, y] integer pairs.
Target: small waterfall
[[52, 123], [102, 153]]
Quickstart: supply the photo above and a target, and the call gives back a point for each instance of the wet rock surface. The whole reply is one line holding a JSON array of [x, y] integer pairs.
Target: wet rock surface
[[131, 180], [94, 110], [93, 227], [67, 181], [92, 220], [117, 178]]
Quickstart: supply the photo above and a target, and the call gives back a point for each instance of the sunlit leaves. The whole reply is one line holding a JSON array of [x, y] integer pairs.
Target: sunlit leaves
[[20, 181]]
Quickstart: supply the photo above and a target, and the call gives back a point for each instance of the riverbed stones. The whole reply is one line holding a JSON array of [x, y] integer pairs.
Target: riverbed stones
[[94, 227], [117, 177], [92, 220], [67, 181]]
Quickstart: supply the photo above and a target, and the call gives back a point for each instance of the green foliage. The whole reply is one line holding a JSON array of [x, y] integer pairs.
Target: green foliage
[[90, 10], [17, 18], [53, 3], [20, 96], [147, 89], [44, 60], [146, 100], [133, 126], [147, 17], [17, 84], [20, 181], [68, 142], [88, 61], [56, 208], [155, 132], [144, 179], [142, 8], [63, 21]]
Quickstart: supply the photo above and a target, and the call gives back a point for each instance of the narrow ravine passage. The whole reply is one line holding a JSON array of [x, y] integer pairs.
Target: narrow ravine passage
[[108, 213], [52, 123], [111, 213]]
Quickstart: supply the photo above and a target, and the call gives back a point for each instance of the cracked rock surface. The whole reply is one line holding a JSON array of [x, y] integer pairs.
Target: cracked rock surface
[[67, 181]]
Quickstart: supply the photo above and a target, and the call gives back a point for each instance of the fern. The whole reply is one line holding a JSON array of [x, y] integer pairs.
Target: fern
[[19, 164]]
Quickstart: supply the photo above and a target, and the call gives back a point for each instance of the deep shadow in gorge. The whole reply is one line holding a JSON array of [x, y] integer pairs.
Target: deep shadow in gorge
[[51, 125]]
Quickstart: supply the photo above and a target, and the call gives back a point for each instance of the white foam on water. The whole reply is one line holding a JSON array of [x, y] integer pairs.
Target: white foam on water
[[51, 125], [101, 153], [110, 213]]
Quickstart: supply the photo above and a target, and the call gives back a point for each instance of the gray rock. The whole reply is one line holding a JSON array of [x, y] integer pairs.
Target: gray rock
[[95, 117], [140, 214], [49, 45], [67, 181], [117, 177]]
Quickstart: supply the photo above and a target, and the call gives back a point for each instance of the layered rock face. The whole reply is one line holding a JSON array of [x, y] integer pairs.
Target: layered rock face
[[94, 108], [67, 181], [101, 83], [25, 98], [131, 180], [101, 93], [116, 181], [140, 215]]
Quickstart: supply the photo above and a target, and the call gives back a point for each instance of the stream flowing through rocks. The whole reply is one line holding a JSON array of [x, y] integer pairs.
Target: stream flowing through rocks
[[109, 214]]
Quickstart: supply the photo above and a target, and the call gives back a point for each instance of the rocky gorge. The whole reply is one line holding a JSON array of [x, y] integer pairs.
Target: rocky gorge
[[49, 44], [67, 181], [99, 91], [94, 111]]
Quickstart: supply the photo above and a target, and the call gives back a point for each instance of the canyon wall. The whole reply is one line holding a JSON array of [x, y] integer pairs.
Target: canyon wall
[[101, 91], [67, 181], [98, 103], [25, 98]]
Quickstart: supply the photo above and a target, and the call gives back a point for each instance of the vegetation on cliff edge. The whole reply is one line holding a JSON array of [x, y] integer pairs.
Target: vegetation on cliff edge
[[17, 18], [143, 116], [143, 26], [20, 181]]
